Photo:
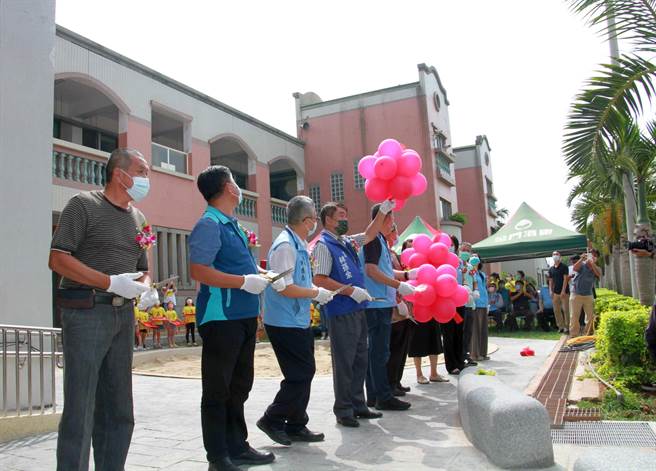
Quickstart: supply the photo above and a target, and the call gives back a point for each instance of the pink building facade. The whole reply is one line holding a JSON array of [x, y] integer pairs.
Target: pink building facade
[[337, 133], [475, 189]]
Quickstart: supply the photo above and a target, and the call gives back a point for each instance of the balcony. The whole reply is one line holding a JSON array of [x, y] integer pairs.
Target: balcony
[[446, 154], [168, 159], [278, 212], [84, 169], [492, 206], [248, 206]]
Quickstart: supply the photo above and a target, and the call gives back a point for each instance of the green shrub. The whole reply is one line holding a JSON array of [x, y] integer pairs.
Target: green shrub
[[458, 217], [621, 354]]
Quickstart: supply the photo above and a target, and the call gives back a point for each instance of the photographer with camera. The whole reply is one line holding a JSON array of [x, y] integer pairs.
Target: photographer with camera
[[586, 273]]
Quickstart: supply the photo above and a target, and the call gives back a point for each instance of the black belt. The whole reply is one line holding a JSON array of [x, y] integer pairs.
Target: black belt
[[108, 298], [86, 298]]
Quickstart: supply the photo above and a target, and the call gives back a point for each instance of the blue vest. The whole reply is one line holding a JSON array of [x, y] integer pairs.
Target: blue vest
[[482, 301], [279, 310], [346, 269], [547, 302], [234, 257], [379, 290]]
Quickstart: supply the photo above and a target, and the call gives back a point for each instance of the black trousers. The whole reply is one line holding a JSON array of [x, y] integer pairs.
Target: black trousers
[[227, 370], [467, 329], [294, 349], [190, 329], [452, 338], [399, 345]]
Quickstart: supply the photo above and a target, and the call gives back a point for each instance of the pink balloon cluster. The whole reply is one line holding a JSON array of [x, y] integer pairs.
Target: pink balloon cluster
[[438, 292], [392, 172]]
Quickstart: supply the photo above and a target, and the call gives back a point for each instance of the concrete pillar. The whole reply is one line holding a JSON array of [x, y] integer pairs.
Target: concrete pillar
[[27, 40], [263, 188]]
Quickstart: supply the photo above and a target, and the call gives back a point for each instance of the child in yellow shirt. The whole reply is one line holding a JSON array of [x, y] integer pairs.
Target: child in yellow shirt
[[142, 328], [171, 324], [189, 313], [157, 318]]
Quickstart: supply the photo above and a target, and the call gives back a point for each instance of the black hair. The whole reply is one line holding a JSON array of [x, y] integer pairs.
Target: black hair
[[521, 272], [456, 243], [406, 244], [329, 209], [374, 211], [189, 299], [595, 252], [212, 181]]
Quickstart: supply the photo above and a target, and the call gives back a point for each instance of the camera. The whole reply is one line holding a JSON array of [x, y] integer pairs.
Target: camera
[[642, 243]]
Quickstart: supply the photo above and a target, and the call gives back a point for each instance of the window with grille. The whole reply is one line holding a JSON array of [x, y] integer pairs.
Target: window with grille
[[315, 194], [359, 181], [447, 211], [337, 187], [171, 257]]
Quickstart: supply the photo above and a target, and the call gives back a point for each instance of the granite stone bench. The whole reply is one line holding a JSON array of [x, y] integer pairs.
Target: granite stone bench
[[512, 429], [616, 459]]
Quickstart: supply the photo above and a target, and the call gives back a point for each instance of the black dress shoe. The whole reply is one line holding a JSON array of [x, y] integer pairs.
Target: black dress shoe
[[397, 392], [305, 435], [369, 414], [253, 457], [222, 464], [470, 362], [392, 404], [404, 388], [371, 402], [348, 421], [455, 372], [278, 436]]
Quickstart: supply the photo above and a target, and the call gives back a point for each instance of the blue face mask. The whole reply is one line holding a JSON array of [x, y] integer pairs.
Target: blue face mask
[[239, 194], [140, 188]]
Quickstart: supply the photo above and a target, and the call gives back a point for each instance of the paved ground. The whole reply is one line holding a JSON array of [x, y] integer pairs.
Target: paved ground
[[167, 435]]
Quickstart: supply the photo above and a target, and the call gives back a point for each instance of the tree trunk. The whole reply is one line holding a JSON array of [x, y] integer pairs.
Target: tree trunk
[[645, 275], [625, 273], [617, 276]]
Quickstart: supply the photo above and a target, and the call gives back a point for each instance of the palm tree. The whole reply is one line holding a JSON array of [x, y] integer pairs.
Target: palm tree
[[604, 113], [502, 215]]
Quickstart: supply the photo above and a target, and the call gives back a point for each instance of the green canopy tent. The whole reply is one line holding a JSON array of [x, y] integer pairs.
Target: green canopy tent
[[417, 226], [528, 235]]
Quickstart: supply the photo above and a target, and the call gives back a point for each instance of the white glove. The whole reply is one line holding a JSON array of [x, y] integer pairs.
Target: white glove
[[476, 294], [406, 289], [125, 285], [360, 295], [412, 274], [254, 284], [324, 296], [148, 299], [387, 206], [403, 309], [278, 285]]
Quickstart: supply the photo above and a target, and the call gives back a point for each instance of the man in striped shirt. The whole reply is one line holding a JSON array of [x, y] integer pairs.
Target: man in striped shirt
[[103, 268], [336, 266]]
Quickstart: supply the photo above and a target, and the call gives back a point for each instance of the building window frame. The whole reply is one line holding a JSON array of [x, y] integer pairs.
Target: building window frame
[[314, 192], [358, 180], [446, 209], [337, 186]]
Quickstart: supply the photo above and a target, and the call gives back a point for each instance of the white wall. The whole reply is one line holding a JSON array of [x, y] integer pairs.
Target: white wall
[[531, 267], [27, 34]]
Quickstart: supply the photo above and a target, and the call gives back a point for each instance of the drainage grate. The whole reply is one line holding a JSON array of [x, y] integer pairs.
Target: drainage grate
[[638, 434], [573, 414]]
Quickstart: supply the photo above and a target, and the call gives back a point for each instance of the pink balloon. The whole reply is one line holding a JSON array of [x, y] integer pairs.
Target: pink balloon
[[446, 316], [376, 154], [421, 243], [446, 240], [447, 270], [446, 285], [385, 167], [419, 184], [377, 190], [425, 295], [437, 254], [453, 260], [401, 187], [443, 307], [399, 205], [461, 296], [409, 164], [405, 256], [422, 313], [417, 260], [390, 147], [366, 166], [427, 274]]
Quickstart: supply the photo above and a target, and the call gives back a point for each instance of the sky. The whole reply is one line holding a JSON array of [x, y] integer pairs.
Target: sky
[[511, 68]]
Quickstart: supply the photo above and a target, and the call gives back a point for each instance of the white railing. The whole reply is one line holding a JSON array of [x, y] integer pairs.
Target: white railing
[[279, 211], [169, 159], [30, 357], [78, 169], [248, 206]]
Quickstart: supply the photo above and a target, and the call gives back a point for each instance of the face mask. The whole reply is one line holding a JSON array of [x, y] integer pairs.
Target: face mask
[[556, 258], [491, 290], [239, 194], [314, 228], [140, 187], [464, 256], [342, 226]]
